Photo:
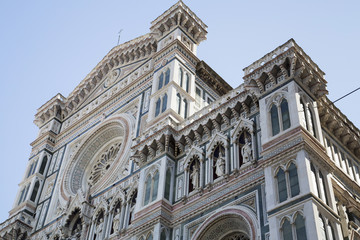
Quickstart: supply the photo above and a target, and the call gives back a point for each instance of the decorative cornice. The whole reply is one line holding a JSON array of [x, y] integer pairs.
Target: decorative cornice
[[211, 78], [180, 15], [339, 125], [285, 63]]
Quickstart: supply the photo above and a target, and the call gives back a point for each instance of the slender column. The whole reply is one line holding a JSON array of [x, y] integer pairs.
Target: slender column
[[122, 213], [91, 232], [84, 230], [201, 173], [252, 146], [236, 156], [108, 225], [227, 159], [186, 190], [210, 170], [105, 226], [126, 216]]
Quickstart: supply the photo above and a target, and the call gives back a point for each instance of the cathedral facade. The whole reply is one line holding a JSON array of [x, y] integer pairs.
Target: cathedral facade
[[154, 144]]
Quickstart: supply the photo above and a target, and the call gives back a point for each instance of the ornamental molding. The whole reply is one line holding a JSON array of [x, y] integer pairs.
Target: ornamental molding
[[179, 15], [339, 126], [141, 48], [117, 128]]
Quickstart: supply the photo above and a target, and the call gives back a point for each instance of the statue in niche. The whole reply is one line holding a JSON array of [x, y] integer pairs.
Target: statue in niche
[[194, 176], [116, 221], [99, 228], [246, 151], [220, 164]]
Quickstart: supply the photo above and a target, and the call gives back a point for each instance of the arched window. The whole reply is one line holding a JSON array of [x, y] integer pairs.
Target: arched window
[[244, 147], [218, 167], [274, 120], [285, 114], [187, 82], [141, 238], [282, 124], [314, 180], [163, 235], [30, 170], [322, 228], [300, 228], [294, 181], [147, 189], [132, 207], [288, 182], [181, 77], [331, 232], [151, 187], [26, 193], [149, 237], [21, 195], [155, 186], [35, 165], [323, 187], [311, 116], [43, 165], [185, 108], [303, 112], [286, 230], [168, 184], [282, 189], [161, 81], [167, 76], [178, 100], [157, 107], [164, 103], [35, 191]]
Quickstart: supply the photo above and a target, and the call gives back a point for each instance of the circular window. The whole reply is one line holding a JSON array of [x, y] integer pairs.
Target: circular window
[[101, 159]]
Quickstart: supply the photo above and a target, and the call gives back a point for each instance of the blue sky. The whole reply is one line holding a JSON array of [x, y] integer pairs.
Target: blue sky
[[48, 47]]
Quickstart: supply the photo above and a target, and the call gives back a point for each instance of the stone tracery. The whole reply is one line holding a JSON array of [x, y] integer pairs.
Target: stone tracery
[[103, 163]]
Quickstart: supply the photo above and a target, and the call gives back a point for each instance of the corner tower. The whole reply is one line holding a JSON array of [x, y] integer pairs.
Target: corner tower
[[178, 32]]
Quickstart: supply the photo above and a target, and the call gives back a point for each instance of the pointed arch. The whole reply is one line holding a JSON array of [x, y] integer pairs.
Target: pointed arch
[[286, 229], [35, 191], [167, 76], [229, 220], [187, 82], [164, 103], [43, 164], [157, 107], [161, 81], [180, 77]]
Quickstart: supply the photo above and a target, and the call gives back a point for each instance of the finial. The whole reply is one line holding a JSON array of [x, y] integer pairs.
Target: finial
[[119, 37]]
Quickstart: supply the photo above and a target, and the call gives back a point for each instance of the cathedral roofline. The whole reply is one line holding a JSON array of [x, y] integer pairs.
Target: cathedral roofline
[[276, 52], [211, 78], [339, 125]]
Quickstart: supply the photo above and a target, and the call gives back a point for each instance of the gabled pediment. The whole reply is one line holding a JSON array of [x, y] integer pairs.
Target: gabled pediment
[[136, 51], [193, 151], [117, 79], [244, 124], [219, 138]]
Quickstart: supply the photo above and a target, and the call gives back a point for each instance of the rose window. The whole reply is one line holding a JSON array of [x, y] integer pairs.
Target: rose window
[[103, 163]]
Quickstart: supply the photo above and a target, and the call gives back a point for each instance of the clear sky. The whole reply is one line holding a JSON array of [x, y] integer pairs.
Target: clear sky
[[48, 47]]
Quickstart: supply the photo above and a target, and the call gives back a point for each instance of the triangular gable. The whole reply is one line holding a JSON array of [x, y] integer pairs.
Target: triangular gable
[[243, 124], [218, 138], [194, 150], [115, 80], [136, 51]]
